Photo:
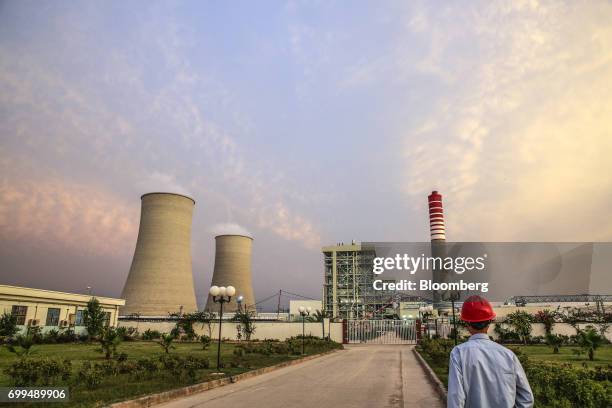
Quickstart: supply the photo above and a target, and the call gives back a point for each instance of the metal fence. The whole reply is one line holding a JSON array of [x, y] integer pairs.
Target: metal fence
[[381, 331]]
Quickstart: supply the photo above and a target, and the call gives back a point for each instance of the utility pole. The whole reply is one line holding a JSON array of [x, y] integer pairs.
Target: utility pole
[[278, 305]]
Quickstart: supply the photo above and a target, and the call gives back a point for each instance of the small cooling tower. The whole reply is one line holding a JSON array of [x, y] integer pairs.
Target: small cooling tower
[[160, 279], [233, 267]]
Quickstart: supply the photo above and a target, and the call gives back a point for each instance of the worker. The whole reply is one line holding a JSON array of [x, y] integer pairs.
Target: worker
[[481, 372]]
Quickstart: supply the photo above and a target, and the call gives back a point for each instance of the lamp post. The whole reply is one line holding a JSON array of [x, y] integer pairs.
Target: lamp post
[[221, 295], [304, 311], [426, 311], [239, 300]]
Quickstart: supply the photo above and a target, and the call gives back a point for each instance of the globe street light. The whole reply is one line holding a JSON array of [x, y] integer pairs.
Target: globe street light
[[304, 311], [221, 295], [239, 300]]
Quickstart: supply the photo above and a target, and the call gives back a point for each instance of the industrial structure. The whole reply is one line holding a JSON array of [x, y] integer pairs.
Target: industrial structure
[[160, 279], [233, 267], [347, 289]]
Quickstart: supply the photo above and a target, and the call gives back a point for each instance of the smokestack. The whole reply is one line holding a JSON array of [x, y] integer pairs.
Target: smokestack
[[233, 267], [160, 279], [436, 217]]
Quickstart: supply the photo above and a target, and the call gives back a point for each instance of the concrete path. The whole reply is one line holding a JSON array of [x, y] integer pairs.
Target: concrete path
[[360, 376]]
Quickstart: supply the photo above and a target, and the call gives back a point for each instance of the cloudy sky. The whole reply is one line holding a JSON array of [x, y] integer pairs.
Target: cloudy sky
[[306, 123]]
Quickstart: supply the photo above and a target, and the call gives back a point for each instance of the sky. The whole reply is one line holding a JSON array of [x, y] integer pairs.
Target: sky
[[305, 123]]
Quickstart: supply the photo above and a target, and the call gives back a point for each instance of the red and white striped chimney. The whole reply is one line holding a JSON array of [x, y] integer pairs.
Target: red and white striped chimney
[[436, 217]]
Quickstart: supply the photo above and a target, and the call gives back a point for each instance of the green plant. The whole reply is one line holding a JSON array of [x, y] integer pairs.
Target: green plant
[[521, 322], [27, 372], [589, 340], [8, 325], [109, 339], [21, 345], [94, 317], [166, 341], [554, 341], [205, 341], [127, 333], [244, 318], [547, 318], [151, 335], [89, 375]]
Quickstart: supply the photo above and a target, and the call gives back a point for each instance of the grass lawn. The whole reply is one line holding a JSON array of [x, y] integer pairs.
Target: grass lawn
[[603, 355], [124, 386]]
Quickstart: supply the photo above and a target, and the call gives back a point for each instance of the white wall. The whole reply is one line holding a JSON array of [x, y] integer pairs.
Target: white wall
[[263, 330]]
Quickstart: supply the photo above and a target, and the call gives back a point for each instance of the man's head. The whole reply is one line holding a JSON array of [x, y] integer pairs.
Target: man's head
[[478, 313]]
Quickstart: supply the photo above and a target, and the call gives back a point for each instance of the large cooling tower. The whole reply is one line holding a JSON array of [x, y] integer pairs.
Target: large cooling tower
[[160, 279], [233, 267]]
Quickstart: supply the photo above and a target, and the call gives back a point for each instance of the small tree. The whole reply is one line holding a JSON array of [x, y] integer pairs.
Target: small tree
[[589, 340], [205, 341], [8, 325], [319, 316], [245, 319], [554, 341], [166, 341], [93, 318], [22, 345], [521, 321], [109, 340]]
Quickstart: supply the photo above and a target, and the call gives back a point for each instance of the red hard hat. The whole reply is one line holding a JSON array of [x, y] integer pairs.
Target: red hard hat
[[477, 309]]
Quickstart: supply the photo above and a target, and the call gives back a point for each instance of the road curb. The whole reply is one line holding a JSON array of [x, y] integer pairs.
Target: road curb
[[431, 376], [154, 399]]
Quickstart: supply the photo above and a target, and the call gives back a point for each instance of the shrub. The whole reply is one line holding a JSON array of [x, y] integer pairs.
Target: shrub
[[245, 324], [90, 376], [166, 341], [127, 333], [28, 372], [21, 345], [563, 385], [554, 341], [8, 325], [205, 341], [546, 317], [151, 335], [51, 336], [589, 340], [109, 339], [521, 322]]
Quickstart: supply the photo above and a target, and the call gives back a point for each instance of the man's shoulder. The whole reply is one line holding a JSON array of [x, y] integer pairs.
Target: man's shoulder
[[482, 343]]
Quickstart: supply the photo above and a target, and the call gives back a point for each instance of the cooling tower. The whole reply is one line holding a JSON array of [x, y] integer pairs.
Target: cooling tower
[[233, 267], [160, 279]]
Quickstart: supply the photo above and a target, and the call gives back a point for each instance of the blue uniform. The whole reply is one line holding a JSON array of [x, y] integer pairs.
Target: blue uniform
[[484, 374]]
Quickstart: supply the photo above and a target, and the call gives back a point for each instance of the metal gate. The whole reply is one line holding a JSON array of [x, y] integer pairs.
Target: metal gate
[[381, 331]]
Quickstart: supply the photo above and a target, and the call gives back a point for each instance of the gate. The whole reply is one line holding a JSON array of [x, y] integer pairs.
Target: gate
[[381, 331]]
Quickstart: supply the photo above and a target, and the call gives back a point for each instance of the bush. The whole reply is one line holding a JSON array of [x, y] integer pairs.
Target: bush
[[151, 335], [28, 372], [51, 336], [205, 341], [127, 333], [8, 325], [564, 385], [90, 376]]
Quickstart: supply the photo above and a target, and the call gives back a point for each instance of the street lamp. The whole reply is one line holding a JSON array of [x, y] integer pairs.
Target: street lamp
[[304, 311], [239, 300], [221, 295]]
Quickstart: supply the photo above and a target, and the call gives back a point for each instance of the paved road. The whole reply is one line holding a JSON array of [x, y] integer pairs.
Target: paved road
[[360, 376]]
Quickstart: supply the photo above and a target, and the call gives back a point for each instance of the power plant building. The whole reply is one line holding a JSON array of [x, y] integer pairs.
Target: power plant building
[[348, 277], [233, 268], [160, 279]]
